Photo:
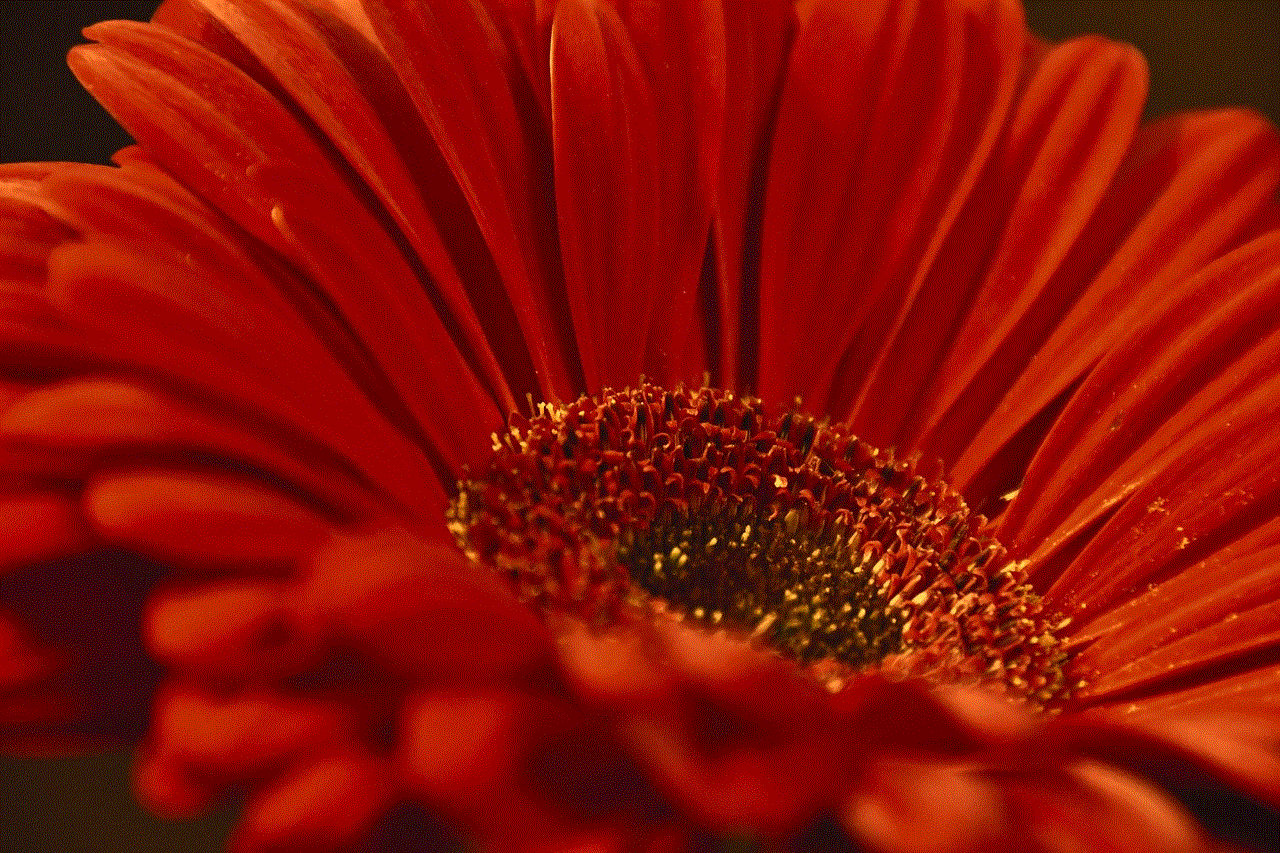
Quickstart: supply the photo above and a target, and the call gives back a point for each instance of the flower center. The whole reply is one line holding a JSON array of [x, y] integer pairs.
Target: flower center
[[783, 528]]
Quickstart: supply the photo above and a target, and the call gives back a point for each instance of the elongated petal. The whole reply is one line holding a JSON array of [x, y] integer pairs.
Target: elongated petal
[[1187, 748], [466, 86], [37, 526], [805, 125], [426, 373], [1177, 632], [1067, 136], [605, 136], [1176, 376], [328, 800], [201, 117], [151, 244], [288, 195], [1210, 506], [202, 741], [682, 51], [457, 748], [1171, 453], [831, 256], [924, 808], [87, 419], [351, 92], [1096, 807], [1164, 219], [183, 516], [758, 38], [1096, 91], [232, 631], [418, 607]]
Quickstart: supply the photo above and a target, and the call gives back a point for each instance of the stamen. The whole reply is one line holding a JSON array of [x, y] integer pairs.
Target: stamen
[[785, 529]]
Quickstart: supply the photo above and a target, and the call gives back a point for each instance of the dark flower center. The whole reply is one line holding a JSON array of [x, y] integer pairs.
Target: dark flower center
[[784, 528]]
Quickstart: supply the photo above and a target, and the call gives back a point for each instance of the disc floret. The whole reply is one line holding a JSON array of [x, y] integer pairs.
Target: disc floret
[[781, 527]]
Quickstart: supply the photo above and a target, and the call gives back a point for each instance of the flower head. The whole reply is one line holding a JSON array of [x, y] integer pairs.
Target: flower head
[[632, 425]]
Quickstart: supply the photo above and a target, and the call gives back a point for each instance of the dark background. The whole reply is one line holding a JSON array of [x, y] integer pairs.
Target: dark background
[[1202, 53]]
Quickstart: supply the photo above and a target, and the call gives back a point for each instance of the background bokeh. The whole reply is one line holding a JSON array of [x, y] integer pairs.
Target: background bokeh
[[1202, 53]]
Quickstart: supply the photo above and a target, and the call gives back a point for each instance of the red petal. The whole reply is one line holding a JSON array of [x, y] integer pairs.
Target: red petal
[[850, 218], [395, 322], [921, 807], [200, 116], [1085, 122], [197, 374], [1093, 808], [681, 48], [202, 742], [1065, 140], [202, 517], [287, 195], [1200, 471], [38, 526], [152, 249], [1212, 487], [419, 608], [351, 92], [458, 749], [1186, 748], [774, 788], [233, 631], [917, 806], [468, 90], [731, 734], [820, 133], [1197, 626], [27, 236], [613, 669], [605, 134], [327, 801], [1192, 358], [758, 37], [527, 27], [522, 772], [85, 419], [1191, 190]]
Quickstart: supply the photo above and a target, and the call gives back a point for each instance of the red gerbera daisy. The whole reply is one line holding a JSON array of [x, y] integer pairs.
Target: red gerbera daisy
[[648, 426]]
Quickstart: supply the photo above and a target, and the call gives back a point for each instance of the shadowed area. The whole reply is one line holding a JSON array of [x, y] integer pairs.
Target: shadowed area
[[84, 805]]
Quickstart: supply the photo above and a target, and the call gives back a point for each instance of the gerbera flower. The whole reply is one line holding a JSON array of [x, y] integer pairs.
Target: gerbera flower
[[648, 426]]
